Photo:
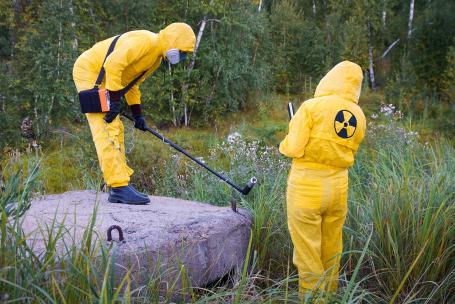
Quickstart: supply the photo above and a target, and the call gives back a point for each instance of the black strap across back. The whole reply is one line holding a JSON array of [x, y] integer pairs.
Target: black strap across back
[[102, 71]]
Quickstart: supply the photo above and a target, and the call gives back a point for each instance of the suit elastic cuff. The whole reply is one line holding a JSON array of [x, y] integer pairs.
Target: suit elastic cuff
[[136, 110], [115, 95]]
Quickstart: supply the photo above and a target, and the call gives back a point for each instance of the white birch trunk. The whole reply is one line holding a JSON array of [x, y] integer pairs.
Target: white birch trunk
[[172, 105], [314, 8], [174, 119], [73, 26], [411, 17], [390, 48], [260, 6], [35, 110], [190, 69], [196, 47], [51, 106], [185, 115], [370, 58], [60, 30]]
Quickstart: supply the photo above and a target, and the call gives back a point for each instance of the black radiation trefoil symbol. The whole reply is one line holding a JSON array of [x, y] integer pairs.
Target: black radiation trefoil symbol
[[345, 124]]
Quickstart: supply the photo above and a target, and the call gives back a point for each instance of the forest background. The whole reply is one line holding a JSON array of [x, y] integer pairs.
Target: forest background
[[248, 50]]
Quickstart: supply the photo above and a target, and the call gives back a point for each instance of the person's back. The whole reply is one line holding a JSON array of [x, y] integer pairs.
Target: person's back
[[329, 127], [141, 42], [323, 138]]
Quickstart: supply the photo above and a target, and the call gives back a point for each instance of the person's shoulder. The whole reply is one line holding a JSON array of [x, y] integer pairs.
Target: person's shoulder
[[358, 113], [144, 37], [140, 34], [358, 108], [310, 102], [317, 102]]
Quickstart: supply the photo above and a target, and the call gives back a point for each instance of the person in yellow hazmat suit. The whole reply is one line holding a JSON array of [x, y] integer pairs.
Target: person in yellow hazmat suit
[[322, 140], [135, 53]]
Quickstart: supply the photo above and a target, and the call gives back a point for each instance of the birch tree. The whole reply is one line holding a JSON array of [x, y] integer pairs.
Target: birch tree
[[370, 58], [411, 17], [190, 68]]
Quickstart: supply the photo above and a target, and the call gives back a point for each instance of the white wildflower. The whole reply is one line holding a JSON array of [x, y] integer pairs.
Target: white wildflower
[[387, 110], [398, 115], [234, 137]]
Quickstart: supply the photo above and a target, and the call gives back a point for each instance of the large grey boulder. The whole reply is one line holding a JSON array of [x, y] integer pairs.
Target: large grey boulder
[[164, 238]]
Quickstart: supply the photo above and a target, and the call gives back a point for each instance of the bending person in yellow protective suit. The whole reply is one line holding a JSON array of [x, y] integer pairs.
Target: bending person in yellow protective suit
[[135, 52], [323, 138]]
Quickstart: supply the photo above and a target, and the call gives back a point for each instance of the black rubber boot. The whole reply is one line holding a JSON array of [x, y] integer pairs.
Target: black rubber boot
[[135, 190], [125, 195]]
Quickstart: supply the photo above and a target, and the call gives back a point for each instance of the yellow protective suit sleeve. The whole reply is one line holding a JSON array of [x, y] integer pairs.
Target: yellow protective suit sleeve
[[122, 57], [300, 126], [133, 96]]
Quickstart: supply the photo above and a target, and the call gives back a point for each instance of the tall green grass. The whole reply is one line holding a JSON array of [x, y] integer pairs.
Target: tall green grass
[[406, 192]]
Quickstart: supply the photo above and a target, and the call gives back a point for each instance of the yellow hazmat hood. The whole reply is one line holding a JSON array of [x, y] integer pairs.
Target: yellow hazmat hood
[[177, 36], [344, 80]]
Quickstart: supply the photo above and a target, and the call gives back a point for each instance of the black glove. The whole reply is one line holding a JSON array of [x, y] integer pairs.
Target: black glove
[[114, 110], [139, 122]]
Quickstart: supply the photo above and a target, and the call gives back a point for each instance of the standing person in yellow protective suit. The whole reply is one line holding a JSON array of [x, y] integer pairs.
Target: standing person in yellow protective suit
[[135, 53], [323, 138]]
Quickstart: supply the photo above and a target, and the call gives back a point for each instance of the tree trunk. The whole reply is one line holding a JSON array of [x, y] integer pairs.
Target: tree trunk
[[175, 119], [51, 106], [390, 48], [314, 8], [60, 30], [198, 41], [260, 6], [73, 26], [190, 69], [370, 58], [35, 110], [411, 16]]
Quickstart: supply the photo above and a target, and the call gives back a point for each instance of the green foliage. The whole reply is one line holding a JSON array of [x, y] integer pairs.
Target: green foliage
[[244, 54], [16, 189], [430, 43], [449, 76], [299, 47], [46, 80]]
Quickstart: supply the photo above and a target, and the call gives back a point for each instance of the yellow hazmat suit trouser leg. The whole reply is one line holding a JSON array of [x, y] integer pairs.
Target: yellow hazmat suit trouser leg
[[109, 143], [108, 137], [316, 208]]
